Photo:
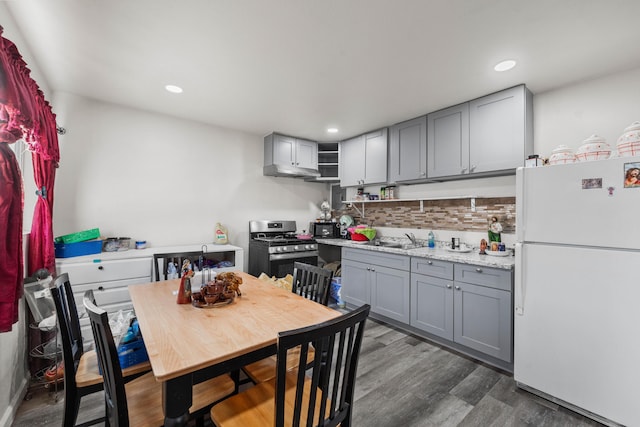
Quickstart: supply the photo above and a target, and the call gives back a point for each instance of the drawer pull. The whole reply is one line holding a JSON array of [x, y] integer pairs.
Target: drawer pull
[[430, 262], [100, 268], [478, 270], [100, 288]]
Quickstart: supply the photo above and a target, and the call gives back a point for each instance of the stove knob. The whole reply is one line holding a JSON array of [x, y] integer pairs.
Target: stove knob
[[296, 248], [279, 249], [308, 247]]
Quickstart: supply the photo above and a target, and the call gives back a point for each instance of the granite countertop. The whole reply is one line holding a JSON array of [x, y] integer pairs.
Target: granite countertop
[[440, 253]]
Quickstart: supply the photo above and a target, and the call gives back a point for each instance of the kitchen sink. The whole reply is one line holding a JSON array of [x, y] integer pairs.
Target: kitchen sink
[[398, 245]]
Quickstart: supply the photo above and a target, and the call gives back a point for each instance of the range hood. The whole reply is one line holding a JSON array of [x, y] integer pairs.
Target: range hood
[[290, 171]]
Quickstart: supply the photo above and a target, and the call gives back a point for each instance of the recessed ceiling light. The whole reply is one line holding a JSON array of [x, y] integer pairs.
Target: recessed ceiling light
[[505, 65], [173, 88], [332, 130]]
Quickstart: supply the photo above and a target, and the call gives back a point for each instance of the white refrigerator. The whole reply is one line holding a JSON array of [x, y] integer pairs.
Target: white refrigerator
[[577, 288]]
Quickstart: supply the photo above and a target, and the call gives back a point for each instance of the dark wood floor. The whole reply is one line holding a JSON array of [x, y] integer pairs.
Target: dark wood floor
[[402, 381]]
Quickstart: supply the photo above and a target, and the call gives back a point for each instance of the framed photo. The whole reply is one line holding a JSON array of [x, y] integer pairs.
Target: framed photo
[[632, 175]]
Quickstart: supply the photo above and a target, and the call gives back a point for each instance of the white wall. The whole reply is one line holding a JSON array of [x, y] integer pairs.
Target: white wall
[[165, 180], [571, 114]]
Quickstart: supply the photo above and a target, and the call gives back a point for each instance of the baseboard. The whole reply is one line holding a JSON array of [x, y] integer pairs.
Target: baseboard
[[10, 412]]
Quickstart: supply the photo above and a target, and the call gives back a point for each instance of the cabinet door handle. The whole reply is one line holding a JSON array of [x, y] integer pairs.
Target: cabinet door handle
[[373, 269], [463, 170], [448, 286], [430, 262], [100, 288], [457, 288], [472, 168], [100, 267], [478, 270]]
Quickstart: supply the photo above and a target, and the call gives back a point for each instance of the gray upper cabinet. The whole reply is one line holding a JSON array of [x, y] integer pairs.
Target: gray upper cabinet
[[448, 141], [351, 161], [363, 159], [290, 156], [500, 130], [408, 150], [491, 135]]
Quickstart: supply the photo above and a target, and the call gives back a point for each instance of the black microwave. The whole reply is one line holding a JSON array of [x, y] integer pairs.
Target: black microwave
[[325, 230]]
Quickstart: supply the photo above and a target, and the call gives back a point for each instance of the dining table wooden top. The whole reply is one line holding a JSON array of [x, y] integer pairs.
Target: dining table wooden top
[[182, 338]]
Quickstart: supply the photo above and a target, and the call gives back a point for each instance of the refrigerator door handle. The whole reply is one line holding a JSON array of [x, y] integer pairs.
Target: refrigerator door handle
[[519, 276]]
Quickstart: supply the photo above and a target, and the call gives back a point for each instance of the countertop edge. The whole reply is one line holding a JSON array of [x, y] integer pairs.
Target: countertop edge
[[473, 257]]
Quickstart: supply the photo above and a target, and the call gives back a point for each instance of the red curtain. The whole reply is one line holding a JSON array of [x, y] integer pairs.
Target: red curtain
[[24, 113]]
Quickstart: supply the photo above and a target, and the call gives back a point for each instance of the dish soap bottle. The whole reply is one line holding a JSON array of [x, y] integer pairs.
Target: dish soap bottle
[[431, 240], [220, 237]]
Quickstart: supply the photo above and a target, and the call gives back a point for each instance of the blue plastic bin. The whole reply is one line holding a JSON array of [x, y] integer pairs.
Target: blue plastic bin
[[66, 250], [132, 353]]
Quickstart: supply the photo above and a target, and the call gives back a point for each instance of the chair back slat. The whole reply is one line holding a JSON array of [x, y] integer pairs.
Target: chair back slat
[[115, 395], [312, 282], [328, 398]]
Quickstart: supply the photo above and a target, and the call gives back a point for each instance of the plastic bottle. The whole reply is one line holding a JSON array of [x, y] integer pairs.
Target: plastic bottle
[[220, 237], [431, 240]]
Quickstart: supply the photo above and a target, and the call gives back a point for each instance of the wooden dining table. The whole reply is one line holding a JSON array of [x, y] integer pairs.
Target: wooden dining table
[[188, 344]]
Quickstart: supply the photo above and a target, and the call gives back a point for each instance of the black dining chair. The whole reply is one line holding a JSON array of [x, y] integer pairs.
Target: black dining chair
[[161, 262], [139, 402], [312, 283], [324, 396], [81, 374]]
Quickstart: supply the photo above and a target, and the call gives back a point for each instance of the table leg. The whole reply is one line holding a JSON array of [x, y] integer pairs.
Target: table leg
[[176, 400]]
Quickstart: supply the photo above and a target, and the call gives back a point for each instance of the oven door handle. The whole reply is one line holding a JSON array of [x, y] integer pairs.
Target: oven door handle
[[292, 255]]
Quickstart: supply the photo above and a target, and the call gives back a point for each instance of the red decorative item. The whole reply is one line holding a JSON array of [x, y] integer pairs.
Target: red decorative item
[[184, 293]]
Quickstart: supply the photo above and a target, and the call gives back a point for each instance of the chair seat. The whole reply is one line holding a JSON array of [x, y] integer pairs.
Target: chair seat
[[256, 406], [88, 374], [144, 398], [265, 369]]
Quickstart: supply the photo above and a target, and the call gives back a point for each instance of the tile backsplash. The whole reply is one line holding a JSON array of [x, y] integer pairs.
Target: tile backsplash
[[446, 214]]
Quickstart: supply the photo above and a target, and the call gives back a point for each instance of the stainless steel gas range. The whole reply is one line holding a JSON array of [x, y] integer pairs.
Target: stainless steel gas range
[[274, 247]]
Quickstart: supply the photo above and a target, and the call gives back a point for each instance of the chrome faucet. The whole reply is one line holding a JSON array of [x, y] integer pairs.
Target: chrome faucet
[[412, 238]]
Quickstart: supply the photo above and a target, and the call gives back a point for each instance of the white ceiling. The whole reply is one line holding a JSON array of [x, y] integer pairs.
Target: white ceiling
[[300, 66]]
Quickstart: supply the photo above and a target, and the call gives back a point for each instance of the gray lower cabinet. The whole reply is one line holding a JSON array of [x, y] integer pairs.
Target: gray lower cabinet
[[408, 150], [379, 279], [463, 303]]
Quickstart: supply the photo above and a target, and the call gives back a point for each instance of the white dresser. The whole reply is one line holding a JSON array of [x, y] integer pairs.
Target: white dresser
[[109, 274]]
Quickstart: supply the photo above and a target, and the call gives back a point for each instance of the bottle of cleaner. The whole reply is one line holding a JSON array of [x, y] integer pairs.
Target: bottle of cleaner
[[431, 240], [220, 237]]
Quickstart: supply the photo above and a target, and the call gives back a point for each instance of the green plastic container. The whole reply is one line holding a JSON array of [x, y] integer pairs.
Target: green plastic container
[[80, 236]]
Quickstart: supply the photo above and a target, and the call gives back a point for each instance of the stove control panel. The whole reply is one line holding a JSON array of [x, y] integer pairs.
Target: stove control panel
[[293, 248]]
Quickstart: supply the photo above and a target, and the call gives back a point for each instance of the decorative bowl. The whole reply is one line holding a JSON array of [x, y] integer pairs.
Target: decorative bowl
[[562, 155], [357, 237], [629, 141], [593, 148]]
